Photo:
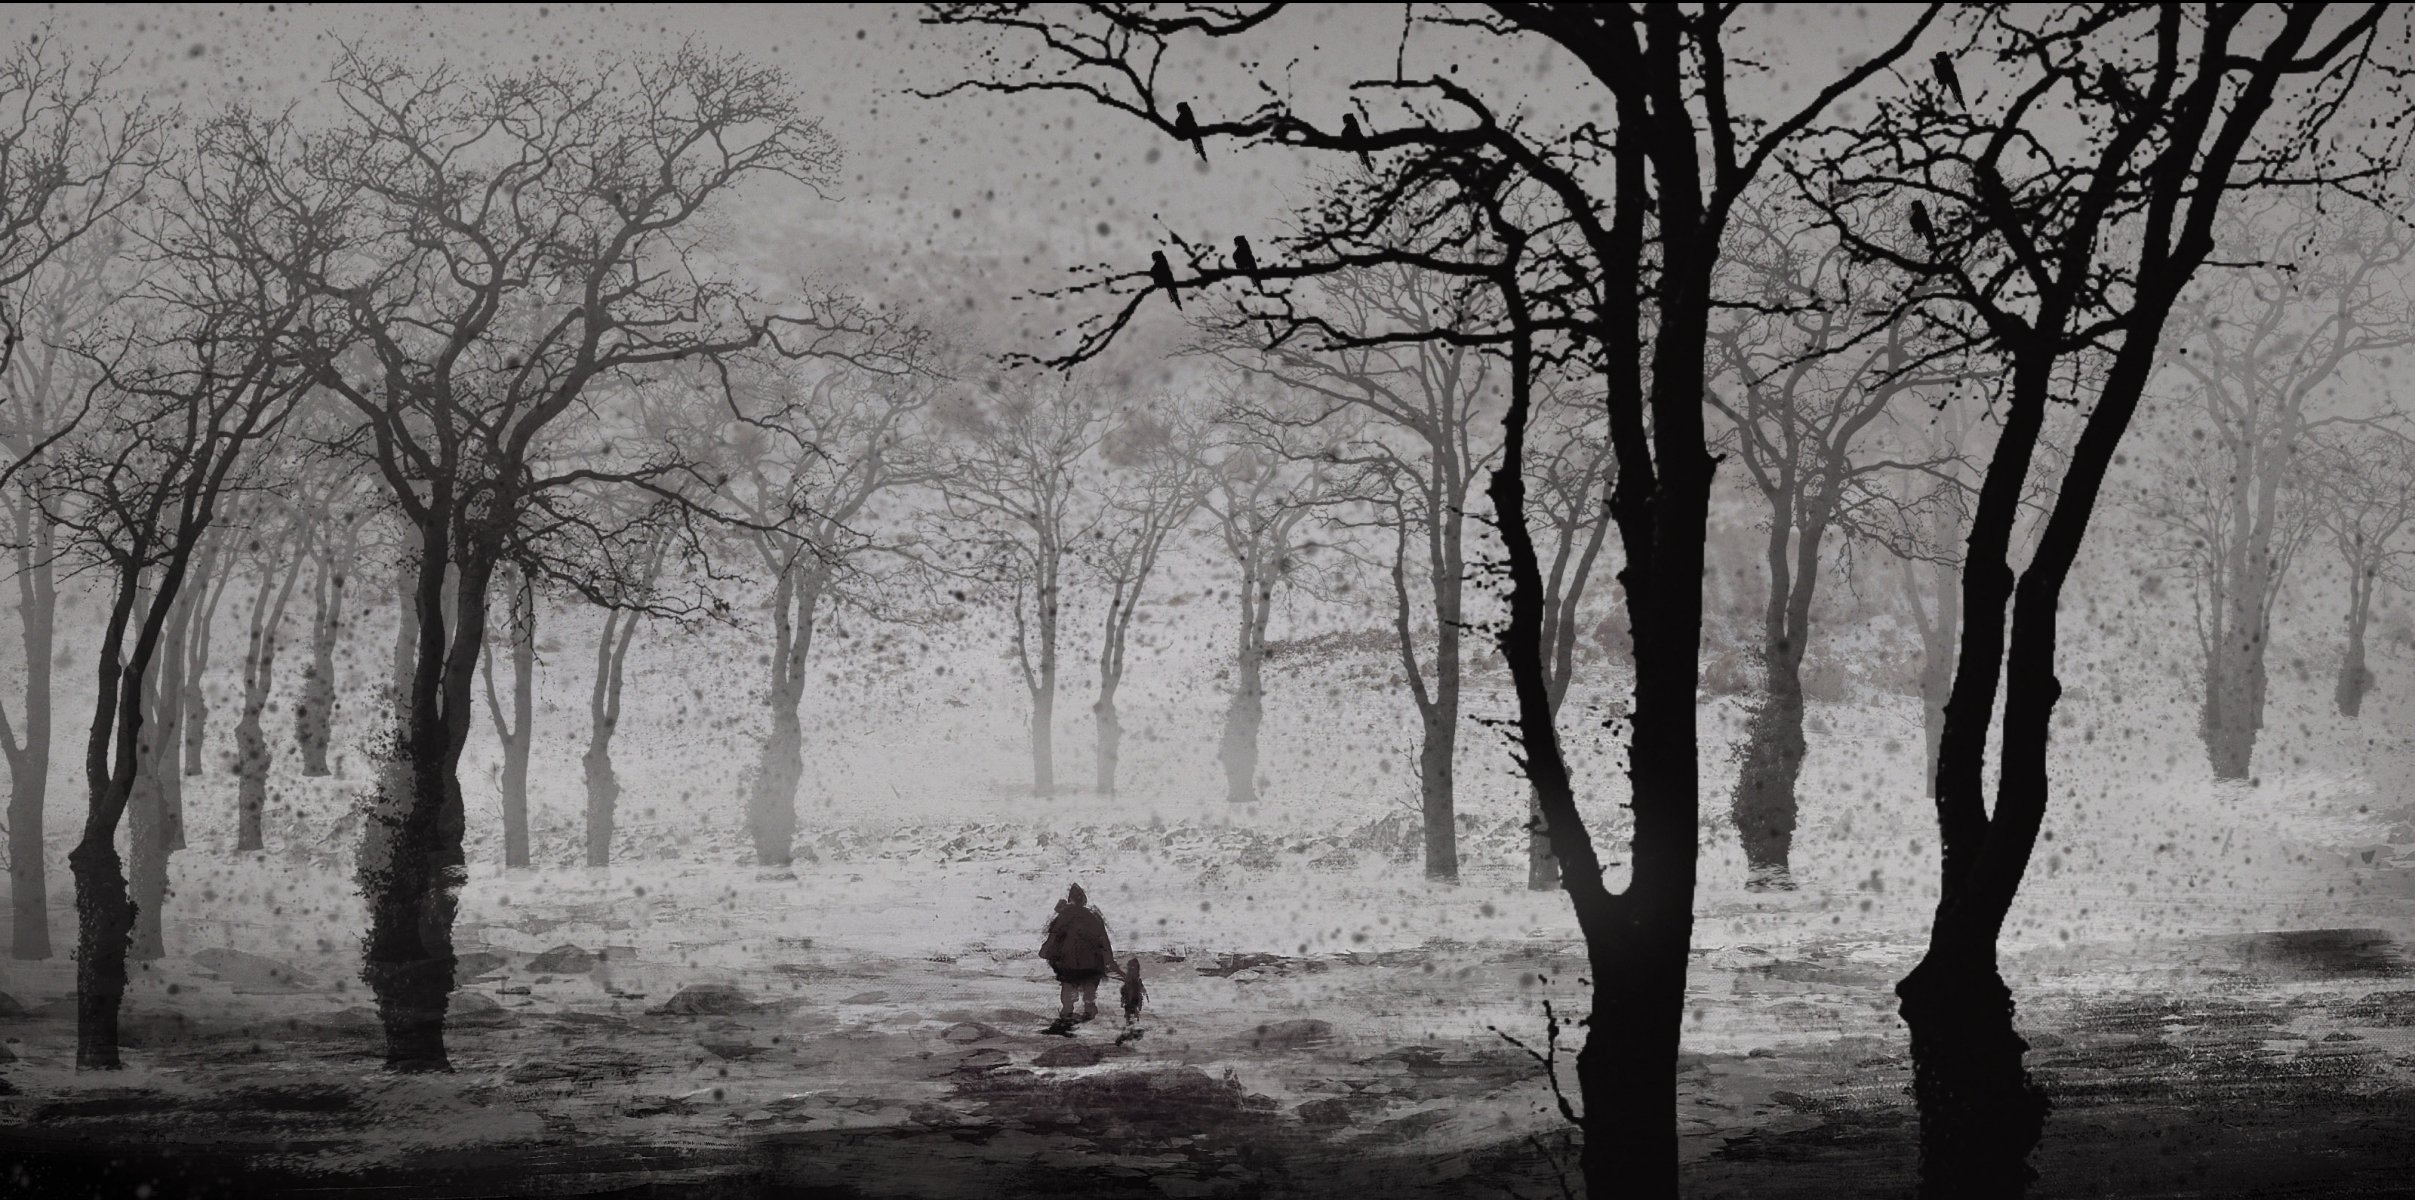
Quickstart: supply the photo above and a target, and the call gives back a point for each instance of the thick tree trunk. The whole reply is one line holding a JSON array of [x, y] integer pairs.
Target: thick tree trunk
[[1981, 1114], [251, 772], [1435, 756], [772, 805], [29, 760], [603, 720], [412, 866], [2356, 679], [1243, 716], [104, 931], [1771, 762], [603, 797]]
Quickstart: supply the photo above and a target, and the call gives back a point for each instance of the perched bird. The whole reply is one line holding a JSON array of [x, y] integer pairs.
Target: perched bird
[[2116, 85], [1161, 273], [1943, 63], [1134, 993], [1350, 130], [1186, 127], [1920, 222], [1242, 258]]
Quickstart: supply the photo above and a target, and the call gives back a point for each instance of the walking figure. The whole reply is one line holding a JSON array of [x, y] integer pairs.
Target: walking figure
[[1079, 951]]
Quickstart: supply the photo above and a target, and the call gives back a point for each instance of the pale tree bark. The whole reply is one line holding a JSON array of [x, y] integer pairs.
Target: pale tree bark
[[515, 735], [332, 553], [154, 814], [278, 563]]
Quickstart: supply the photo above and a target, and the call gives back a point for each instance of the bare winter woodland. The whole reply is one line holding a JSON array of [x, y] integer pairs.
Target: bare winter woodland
[[1631, 600]]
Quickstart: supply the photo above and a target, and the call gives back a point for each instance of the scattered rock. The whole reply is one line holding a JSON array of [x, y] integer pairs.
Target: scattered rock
[[1290, 1035], [1330, 1112], [965, 1032], [705, 1000], [342, 1022], [565, 959], [253, 974], [476, 1008], [986, 1059], [735, 1051], [476, 963], [1072, 1054]]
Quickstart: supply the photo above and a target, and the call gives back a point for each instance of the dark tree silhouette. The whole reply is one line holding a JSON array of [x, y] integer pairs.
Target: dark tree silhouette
[[199, 378], [1634, 272], [2064, 253], [509, 244]]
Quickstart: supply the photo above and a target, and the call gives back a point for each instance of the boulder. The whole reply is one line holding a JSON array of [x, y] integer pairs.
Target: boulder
[[705, 1000], [565, 959], [1072, 1054], [965, 1032]]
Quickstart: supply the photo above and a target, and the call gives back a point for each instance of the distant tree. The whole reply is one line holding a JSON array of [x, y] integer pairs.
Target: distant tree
[[2359, 484], [1154, 480], [2260, 347], [517, 734], [816, 472], [276, 543], [1014, 496], [1819, 405], [2062, 217], [1420, 409], [1268, 480]]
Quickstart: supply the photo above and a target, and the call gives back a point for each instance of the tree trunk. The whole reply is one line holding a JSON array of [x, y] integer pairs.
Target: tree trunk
[[2356, 679], [603, 797], [604, 716], [517, 741], [104, 930], [1771, 761], [411, 864], [251, 768], [772, 806], [1980, 1112], [29, 760], [314, 718], [1242, 718], [156, 808], [1434, 761], [1110, 739], [195, 714], [1043, 742]]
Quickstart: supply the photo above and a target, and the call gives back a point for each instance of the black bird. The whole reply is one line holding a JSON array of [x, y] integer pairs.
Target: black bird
[[1944, 65], [1186, 127], [1161, 273], [1242, 258], [1920, 222], [1350, 130], [2116, 85]]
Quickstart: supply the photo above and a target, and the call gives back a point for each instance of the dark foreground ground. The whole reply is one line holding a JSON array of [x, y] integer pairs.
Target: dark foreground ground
[[2269, 1065]]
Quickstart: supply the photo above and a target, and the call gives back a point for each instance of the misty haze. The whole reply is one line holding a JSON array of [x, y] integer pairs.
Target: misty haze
[[1208, 601]]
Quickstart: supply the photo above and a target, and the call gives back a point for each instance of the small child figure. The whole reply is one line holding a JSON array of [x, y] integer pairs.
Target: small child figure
[[1134, 994]]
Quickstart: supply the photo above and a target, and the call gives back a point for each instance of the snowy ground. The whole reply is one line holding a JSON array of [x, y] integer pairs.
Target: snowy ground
[[2216, 967]]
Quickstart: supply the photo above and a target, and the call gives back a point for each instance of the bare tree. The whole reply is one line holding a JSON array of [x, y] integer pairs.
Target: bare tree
[[1638, 293], [1816, 418], [1013, 489], [2062, 252], [604, 708], [346, 508], [2360, 486], [198, 379], [2260, 346], [510, 242], [1420, 406], [1155, 480], [1268, 480], [813, 473]]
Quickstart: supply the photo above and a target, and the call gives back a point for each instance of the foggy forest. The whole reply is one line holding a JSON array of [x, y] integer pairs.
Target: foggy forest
[[1215, 600]]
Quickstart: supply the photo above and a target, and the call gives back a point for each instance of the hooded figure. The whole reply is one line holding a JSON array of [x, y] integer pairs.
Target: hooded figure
[[1078, 950]]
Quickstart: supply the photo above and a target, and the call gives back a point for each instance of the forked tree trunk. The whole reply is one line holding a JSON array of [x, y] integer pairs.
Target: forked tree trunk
[[1246, 713], [604, 716], [771, 803], [253, 756]]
